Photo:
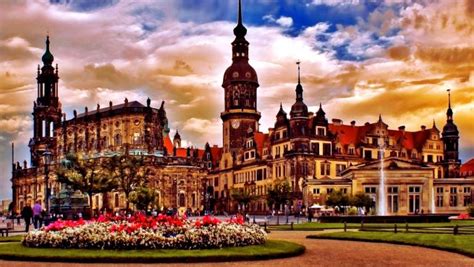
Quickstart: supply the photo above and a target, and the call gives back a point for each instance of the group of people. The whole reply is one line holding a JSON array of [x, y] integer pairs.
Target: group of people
[[37, 214]]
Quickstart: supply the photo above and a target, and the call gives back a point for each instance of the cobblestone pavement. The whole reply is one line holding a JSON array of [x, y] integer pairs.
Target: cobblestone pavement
[[327, 253]]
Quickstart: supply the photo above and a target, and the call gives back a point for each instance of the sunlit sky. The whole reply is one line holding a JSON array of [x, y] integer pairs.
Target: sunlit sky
[[359, 59]]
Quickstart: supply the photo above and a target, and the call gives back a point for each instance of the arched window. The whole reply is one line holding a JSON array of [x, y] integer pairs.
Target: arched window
[[116, 200]]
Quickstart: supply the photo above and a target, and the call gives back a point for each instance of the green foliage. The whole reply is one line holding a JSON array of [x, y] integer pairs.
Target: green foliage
[[279, 194], [243, 197], [362, 200], [89, 175], [337, 199], [143, 197], [129, 172], [470, 210]]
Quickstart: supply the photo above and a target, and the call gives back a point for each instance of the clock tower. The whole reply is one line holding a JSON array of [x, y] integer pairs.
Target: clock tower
[[240, 86]]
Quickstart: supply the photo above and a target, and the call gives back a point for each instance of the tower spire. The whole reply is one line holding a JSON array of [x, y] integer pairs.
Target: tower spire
[[47, 58], [240, 31], [240, 12], [299, 87], [449, 112]]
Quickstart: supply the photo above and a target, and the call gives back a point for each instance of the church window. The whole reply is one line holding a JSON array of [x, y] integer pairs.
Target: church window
[[182, 200], [116, 200]]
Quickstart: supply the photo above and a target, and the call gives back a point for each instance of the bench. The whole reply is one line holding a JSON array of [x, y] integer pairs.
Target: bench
[[4, 230]]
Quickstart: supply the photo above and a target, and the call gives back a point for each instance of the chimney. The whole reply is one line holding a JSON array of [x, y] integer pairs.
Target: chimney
[[110, 105], [353, 123], [24, 165], [75, 114], [337, 121], [401, 128], [423, 127], [86, 110]]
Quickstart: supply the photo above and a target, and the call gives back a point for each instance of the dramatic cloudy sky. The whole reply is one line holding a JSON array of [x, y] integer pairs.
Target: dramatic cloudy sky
[[359, 58]]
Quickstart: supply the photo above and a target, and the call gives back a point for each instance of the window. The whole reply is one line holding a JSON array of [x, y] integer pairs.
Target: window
[[315, 148], [467, 200], [453, 197], [430, 158], [344, 190], [370, 190], [182, 200], [338, 150], [329, 190], [326, 149], [116, 200], [392, 199], [316, 191], [216, 181], [414, 199], [325, 168], [340, 168], [351, 151], [367, 154], [320, 131]]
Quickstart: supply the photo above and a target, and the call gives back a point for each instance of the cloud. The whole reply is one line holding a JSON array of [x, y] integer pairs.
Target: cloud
[[283, 21]]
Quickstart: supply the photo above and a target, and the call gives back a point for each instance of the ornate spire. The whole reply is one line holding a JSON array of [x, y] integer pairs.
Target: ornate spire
[[240, 31], [449, 112], [281, 112], [299, 87], [47, 58]]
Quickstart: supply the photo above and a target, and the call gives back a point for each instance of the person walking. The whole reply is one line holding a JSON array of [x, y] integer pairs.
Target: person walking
[[37, 209], [27, 213]]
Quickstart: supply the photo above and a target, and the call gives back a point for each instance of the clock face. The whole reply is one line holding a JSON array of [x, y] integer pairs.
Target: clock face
[[235, 124]]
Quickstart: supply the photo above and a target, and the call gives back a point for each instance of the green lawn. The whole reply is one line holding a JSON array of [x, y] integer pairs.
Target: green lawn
[[463, 244], [15, 238], [314, 226], [270, 250]]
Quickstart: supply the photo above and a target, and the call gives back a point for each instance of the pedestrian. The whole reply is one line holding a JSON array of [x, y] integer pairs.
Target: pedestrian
[[27, 213], [37, 209]]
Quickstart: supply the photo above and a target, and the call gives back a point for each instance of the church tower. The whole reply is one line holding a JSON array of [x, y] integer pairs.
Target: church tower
[[46, 109], [240, 85], [451, 148]]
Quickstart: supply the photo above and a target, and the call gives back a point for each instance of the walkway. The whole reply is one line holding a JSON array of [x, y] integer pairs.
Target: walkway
[[329, 253]]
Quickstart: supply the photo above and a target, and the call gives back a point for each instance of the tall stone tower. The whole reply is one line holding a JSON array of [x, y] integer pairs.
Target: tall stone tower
[[240, 85], [451, 147], [46, 109]]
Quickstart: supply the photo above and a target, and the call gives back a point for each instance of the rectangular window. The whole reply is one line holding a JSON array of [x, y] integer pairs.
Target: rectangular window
[[325, 169], [340, 168], [329, 190], [430, 158], [259, 175], [439, 201], [326, 149], [439, 190], [370, 190], [467, 200], [351, 151], [315, 148], [216, 181], [367, 154], [316, 191]]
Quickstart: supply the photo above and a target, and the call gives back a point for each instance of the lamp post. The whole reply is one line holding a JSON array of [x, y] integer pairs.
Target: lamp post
[[47, 162]]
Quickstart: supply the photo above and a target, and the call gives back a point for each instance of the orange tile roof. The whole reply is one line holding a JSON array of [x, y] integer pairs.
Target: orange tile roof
[[216, 154], [467, 167], [260, 140]]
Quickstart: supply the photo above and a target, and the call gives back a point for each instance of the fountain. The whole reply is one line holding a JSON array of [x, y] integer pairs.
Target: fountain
[[381, 206]]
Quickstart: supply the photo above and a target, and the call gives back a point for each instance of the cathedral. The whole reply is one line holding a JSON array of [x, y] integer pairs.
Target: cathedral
[[408, 171]]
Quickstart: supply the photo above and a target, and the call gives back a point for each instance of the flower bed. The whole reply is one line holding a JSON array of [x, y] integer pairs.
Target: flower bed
[[141, 232]]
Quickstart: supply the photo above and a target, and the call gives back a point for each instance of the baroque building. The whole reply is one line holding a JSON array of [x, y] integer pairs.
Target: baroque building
[[421, 169]]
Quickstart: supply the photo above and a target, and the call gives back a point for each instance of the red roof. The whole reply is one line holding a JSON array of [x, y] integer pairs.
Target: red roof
[[216, 153], [348, 134], [468, 168], [260, 140], [168, 144]]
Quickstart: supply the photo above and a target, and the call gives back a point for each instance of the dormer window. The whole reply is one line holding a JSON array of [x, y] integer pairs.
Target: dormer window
[[320, 131], [249, 143]]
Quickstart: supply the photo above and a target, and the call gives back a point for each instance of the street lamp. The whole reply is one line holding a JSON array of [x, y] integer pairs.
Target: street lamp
[[47, 162]]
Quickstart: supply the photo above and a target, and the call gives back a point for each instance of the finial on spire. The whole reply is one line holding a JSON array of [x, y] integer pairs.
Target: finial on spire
[[434, 123], [299, 78], [380, 117], [47, 58], [240, 12], [449, 98], [240, 29]]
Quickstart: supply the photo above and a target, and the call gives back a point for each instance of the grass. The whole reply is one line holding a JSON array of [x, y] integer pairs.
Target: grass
[[314, 226], [15, 238], [462, 244], [270, 250]]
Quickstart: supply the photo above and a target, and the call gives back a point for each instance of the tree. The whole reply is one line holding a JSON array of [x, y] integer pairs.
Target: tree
[[129, 172], [142, 197], [89, 175], [278, 195], [243, 197], [338, 199], [362, 200]]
